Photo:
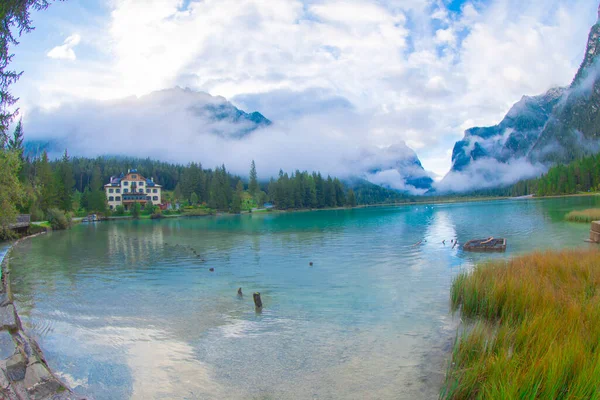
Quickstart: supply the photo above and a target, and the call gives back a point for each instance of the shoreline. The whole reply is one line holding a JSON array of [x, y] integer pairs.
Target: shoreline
[[26, 374]]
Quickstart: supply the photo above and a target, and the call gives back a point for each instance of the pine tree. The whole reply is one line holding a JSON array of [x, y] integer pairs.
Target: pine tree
[[11, 190], [16, 142], [47, 185], [253, 185], [65, 183], [351, 198], [177, 193], [236, 203], [97, 196], [194, 199]]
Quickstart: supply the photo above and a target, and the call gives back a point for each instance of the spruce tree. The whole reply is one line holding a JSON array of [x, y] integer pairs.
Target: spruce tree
[[47, 184], [65, 183], [236, 203], [97, 196], [253, 185], [16, 142], [351, 198], [194, 199]]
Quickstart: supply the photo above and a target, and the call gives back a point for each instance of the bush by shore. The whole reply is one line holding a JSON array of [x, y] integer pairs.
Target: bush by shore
[[585, 216], [58, 220], [535, 329]]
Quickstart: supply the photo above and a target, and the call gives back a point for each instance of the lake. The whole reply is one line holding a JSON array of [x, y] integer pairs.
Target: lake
[[130, 310]]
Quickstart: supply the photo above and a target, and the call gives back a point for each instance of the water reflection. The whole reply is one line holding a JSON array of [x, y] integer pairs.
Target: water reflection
[[130, 309]]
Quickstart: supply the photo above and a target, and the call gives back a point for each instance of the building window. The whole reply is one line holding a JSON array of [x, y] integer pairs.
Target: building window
[[154, 190], [118, 198], [125, 190], [141, 183], [111, 207], [147, 190], [141, 191], [126, 183], [118, 190], [111, 190], [134, 176], [155, 198], [111, 198], [148, 198]]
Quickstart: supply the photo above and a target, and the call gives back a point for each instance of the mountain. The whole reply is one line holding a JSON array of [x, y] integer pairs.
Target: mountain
[[170, 110], [556, 127], [395, 167], [222, 118], [182, 124]]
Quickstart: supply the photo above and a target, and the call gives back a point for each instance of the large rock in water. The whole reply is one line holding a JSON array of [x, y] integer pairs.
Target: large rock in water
[[557, 127]]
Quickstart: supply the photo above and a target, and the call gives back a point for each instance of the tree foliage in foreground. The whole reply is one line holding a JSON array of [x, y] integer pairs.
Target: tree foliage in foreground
[[15, 19]]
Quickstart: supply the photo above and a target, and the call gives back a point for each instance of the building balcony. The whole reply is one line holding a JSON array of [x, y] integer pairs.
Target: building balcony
[[132, 198]]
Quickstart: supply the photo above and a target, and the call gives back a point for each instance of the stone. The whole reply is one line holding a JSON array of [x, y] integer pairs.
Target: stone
[[15, 367], [594, 237], [4, 299], [39, 382], [596, 226], [7, 345], [8, 319]]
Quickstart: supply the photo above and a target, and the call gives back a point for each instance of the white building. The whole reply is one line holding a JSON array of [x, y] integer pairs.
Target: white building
[[125, 190]]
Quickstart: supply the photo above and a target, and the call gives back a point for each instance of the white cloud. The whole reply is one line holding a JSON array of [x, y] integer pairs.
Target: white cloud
[[65, 51], [381, 59]]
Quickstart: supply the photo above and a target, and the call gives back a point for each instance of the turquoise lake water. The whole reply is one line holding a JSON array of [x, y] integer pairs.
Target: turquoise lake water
[[130, 310]]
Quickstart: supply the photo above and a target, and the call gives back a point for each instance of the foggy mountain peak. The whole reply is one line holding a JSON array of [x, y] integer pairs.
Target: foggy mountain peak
[[538, 131]]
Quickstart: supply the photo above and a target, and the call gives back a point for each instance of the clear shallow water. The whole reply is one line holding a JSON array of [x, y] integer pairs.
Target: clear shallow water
[[127, 310]]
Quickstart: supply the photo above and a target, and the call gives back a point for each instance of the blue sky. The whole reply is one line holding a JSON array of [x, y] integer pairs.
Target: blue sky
[[418, 72]]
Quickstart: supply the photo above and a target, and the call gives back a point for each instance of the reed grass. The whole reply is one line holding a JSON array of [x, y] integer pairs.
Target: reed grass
[[585, 216], [535, 331]]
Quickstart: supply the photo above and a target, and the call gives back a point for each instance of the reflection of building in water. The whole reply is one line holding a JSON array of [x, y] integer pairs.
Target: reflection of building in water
[[132, 188], [125, 242]]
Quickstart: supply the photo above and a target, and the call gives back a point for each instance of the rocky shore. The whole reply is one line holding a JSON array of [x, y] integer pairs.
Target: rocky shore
[[24, 372]]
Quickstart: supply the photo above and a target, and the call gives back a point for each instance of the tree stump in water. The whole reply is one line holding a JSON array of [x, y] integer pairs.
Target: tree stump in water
[[257, 300]]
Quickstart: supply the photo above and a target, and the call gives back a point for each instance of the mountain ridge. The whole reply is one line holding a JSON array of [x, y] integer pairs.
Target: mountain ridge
[[556, 127]]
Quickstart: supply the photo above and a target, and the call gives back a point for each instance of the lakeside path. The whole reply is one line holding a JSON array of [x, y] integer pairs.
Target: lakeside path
[[24, 372]]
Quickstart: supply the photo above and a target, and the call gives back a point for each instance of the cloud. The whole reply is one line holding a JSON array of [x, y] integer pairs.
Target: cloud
[[488, 173], [170, 126], [402, 71], [65, 51]]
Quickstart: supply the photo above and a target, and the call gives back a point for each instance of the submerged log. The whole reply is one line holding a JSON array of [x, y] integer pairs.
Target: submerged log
[[489, 244], [257, 300]]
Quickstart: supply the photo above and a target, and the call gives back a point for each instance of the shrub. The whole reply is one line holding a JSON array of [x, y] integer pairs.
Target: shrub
[[136, 210], [585, 216], [119, 211], [149, 209], [57, 219]]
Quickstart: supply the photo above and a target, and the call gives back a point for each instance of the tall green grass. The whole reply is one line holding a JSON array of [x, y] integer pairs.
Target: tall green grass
[[587, 216], [535, 331]]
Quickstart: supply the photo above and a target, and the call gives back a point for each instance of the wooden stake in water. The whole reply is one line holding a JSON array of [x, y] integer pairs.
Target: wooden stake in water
[[257, 300]]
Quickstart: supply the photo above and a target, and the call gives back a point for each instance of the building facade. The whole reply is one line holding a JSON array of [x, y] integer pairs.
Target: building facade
[[128, 189]]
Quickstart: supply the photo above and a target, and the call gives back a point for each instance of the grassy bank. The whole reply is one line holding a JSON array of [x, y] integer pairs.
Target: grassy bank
[[535, 332], [586, 216]]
